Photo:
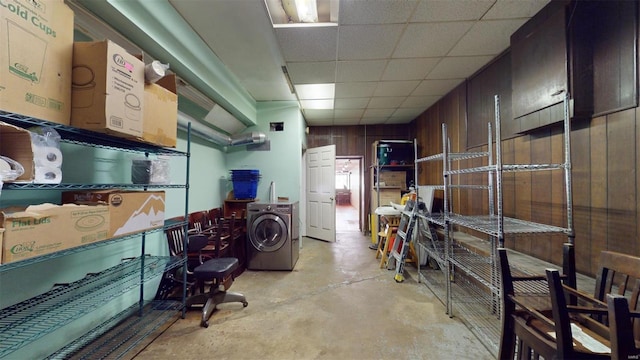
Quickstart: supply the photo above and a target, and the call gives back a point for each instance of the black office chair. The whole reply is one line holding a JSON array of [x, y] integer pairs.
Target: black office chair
[[218, 274]]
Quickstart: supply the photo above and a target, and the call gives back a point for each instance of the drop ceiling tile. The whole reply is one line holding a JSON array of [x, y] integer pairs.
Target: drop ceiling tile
[[346, 122], [458, 67], [308, 43], [364, 42], [436, 87], [385, 102], [351, 103], [487, 38], [375, 12], [348, 113], [430, 39], [321, 104], [373, 120], [419, 101], [409, 69], [396, 88], [409, 112], [355, 90], [363, 70], [452, 10], [377, 113], [318, 114], [312, 72], [511, 9]]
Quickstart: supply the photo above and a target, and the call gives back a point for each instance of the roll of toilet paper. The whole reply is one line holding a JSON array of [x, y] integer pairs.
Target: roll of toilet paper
[[47, 156], [48, 175], [155, 71], [4, 166]]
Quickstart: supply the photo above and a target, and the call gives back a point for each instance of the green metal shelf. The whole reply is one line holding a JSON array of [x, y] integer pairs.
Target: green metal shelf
[[89, 138], [26, 262], [34, 318], [71, 186], [124, 331]]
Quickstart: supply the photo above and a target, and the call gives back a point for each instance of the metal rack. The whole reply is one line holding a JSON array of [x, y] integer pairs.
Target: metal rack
[[30, 320], [470, 277], [377, 169]]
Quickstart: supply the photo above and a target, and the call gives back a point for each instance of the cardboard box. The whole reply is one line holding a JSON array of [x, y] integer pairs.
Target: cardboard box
[[387, 195], [1, 233], [41, 229], [394, 178], [107, 89], [15, 143], [160, 125], [36, 46], [129, 211]]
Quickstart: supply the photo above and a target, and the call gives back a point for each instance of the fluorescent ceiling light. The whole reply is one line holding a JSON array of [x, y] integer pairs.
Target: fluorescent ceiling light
[[301, 11], [295, 13], [315, 91], [317, 104]]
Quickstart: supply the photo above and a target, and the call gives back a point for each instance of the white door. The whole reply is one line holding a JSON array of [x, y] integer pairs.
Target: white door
[[321, 192]]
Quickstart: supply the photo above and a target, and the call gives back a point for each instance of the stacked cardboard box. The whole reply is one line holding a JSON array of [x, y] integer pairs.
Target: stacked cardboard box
[[41, 229], [110, 95], [36, 45], [129, 211], [108, 89]]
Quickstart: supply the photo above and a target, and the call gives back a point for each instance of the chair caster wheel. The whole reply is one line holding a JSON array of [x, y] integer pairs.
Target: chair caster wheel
[[204, 324], [245, 304]]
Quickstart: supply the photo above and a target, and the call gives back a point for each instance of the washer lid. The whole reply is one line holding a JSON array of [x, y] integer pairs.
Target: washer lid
[[268, 232]]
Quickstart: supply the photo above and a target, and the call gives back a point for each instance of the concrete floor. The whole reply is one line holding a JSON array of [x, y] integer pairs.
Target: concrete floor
[[336, 304]]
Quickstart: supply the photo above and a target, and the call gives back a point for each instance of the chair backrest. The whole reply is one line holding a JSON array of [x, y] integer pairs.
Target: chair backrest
[[564, 337], [199, 220], [215, 215], [518, 323], [620, 274], [175, 238], [623, 345]]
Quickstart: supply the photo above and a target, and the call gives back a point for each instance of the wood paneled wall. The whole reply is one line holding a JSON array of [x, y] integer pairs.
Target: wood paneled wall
[[605, 155], [357, 141], [606, 184]]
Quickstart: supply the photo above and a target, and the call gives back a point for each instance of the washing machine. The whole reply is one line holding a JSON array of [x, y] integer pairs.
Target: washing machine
[[273, 240]]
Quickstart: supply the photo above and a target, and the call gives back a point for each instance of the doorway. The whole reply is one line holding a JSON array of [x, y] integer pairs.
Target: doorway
[[348, 194]]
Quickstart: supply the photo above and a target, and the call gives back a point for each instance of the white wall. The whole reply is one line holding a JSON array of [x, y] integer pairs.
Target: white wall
[[282, 164]]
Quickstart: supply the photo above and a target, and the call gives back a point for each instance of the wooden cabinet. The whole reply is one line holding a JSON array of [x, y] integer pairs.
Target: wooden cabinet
[[236, 206]]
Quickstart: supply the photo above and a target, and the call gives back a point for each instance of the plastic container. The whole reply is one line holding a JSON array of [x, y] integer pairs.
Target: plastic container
[[245, 189], [245, 183], [383, 154]]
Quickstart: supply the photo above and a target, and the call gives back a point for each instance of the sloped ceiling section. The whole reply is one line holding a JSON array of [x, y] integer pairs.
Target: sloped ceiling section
[[156, 27]]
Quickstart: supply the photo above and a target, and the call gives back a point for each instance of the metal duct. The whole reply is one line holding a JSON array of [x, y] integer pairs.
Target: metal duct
[[202, 131], [248, 138]]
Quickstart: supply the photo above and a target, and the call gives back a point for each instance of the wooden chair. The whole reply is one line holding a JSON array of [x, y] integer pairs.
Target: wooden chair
[[519, 319], [623, 344], [199, 221], [577, 335], [618, 274], [384, 241], [531, 322], [215, 215], [175, 236]]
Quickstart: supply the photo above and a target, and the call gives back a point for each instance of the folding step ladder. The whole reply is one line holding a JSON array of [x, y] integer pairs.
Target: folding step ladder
[[402, 243]]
